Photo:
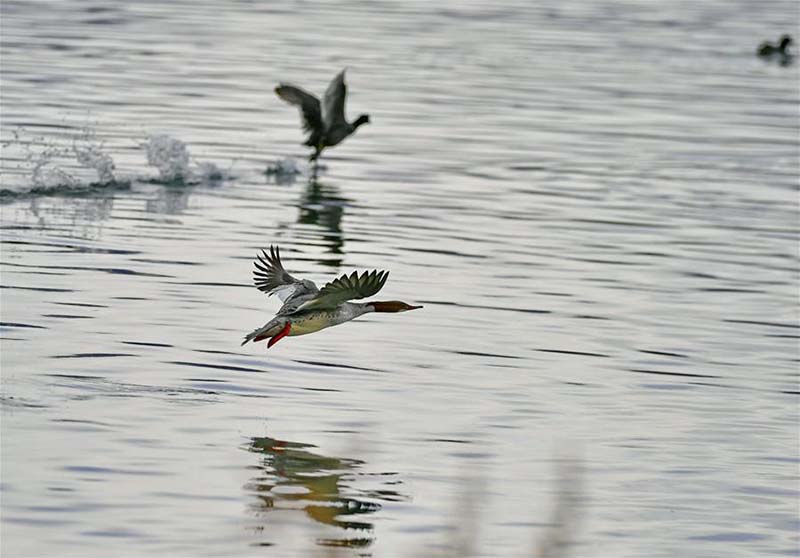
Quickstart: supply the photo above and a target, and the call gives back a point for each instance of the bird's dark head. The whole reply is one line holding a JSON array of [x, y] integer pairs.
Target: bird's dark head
[[786, 40], [363, 119], [392, 306]]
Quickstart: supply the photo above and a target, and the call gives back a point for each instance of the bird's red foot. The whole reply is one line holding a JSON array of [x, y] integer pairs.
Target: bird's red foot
[[283, 333]]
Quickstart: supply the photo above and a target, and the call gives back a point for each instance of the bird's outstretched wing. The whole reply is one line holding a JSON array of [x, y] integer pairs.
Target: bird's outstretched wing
[[308, 103], [270, 277], [333, 102], [346, 287]]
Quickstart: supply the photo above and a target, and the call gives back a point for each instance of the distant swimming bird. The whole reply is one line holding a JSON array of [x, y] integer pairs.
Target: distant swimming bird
[[307, 309], [325, 123], [768, 49]]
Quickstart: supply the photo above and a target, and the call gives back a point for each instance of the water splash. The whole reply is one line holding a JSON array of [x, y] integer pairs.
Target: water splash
[[78, 162], [170, 156], [176, 165], [90, 153], [45, 171], [285, 166], [284, 171], [55, 165], [209, 172], [36, 162]]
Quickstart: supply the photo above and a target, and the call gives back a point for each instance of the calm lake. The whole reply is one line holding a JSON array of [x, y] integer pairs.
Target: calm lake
[[596, 203]]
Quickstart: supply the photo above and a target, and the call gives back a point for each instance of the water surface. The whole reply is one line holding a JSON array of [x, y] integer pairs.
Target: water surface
[[596, 204]]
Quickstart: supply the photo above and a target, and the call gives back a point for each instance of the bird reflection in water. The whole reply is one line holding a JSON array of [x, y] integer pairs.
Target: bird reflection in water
[[291, 475], [322, 205]]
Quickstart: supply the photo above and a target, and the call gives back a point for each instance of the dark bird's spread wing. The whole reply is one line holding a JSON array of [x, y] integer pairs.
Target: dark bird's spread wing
[[333, 102], [270, 277], [346, 288], [308, 103]]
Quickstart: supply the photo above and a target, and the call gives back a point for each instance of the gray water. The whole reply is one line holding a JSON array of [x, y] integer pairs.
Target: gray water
[[597, 204]]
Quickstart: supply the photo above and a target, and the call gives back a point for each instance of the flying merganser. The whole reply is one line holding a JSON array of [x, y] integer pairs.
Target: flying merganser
[[325, 123], [307, 309]]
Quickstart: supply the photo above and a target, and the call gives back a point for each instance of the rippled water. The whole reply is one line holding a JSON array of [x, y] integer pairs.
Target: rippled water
[[596, 203]]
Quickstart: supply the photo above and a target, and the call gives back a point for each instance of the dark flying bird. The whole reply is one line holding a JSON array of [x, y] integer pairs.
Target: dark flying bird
[[307, 309], [324, 122]]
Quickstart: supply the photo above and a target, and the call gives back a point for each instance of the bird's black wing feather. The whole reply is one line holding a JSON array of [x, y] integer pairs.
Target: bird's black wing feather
[[309, 108]]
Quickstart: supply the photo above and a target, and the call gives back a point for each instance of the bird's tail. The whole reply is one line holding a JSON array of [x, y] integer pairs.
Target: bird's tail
[[272, 328]]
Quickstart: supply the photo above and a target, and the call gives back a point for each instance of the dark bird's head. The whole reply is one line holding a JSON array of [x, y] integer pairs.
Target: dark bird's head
[[786, 40], [392, 306], [363, 119]]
